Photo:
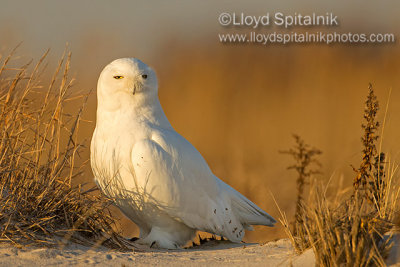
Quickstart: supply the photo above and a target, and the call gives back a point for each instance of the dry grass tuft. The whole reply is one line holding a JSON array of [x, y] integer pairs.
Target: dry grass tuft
[[39, 203], [358, 230]]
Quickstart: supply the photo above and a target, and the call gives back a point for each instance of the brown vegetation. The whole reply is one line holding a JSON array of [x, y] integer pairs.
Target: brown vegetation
[[304, 157], [357, 229], [38, 151]]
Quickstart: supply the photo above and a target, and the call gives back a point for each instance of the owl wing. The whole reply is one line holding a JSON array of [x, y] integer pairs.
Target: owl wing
[[178, 180]]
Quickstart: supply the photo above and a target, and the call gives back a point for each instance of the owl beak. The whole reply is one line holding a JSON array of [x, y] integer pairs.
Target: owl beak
[[136, 87]]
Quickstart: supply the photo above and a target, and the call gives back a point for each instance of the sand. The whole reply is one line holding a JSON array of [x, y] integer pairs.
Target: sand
[[213, 253]]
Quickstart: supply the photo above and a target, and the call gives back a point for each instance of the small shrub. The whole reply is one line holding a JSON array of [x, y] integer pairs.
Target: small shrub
[[304, 157]]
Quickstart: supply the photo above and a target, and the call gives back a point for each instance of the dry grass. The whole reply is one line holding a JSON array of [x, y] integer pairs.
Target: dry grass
[[356, 230], [39, 146]]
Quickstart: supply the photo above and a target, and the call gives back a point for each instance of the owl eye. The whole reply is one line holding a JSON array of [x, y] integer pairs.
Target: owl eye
[[118, 77], [144, 76]]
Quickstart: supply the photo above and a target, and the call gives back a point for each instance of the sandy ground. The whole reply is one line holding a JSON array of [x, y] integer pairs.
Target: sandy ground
[[213, 253]]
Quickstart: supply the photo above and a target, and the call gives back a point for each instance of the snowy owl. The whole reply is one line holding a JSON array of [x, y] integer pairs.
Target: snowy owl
[[154, 175]]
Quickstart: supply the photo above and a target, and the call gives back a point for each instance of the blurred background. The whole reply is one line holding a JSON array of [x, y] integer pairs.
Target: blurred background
[[237, 104]]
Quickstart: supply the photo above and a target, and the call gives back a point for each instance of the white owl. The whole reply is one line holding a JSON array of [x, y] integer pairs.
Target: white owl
[[153, 174]]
